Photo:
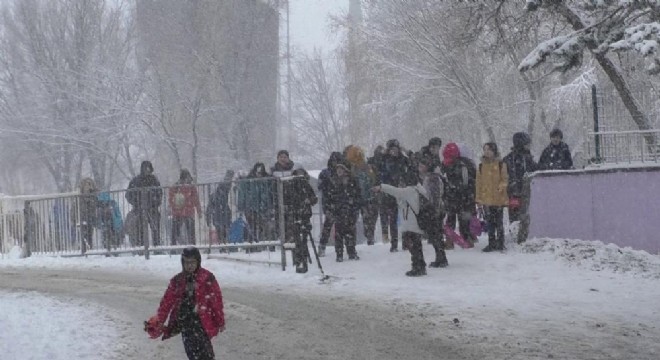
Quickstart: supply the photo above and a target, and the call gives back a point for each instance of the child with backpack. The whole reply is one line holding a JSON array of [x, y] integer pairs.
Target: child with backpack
[[492, 181], [413, 202]]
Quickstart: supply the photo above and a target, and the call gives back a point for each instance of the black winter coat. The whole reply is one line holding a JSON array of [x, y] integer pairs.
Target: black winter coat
[[141, 198], [218, 211], [556, 157], [519, 162], [460, 186], [345, 199], [393, 170], [300, 199]]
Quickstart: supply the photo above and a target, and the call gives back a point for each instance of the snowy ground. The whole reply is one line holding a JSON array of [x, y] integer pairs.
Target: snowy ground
[[33, 326], [559, 299]]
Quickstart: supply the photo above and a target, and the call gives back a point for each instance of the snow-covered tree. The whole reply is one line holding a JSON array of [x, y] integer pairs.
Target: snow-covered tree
[[598, 28], [68, 86]]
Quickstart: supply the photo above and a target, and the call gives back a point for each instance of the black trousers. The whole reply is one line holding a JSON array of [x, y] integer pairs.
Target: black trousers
[[328, 223], [197, 344], [463, 223], [148, 218], [177, 224], [345, 234], [494, 218], [369, 212], [414, 241], [389, 211]]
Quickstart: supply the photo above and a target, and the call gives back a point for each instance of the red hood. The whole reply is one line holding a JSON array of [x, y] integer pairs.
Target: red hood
[[450, 153]]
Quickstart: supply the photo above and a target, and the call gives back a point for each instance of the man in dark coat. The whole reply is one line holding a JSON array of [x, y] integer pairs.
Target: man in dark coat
[[326, 187], [393, 171], [300, 209], [145, 195], [557, 156], [518, 162]]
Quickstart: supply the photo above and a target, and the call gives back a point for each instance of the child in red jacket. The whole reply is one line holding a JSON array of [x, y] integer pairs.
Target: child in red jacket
[[193, 304]]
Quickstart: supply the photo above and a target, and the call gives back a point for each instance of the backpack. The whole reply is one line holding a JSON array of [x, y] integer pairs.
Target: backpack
[[499, 163], [365, 183], [179, 200], [428, 217]]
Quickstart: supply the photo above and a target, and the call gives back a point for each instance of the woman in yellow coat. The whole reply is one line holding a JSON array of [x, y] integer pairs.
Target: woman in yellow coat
[[492, 181]]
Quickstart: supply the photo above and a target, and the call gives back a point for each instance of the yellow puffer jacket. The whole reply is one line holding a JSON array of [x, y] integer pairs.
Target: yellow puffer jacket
[[492, 180]]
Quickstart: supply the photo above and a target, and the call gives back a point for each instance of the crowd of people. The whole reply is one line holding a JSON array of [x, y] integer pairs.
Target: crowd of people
[[418, 194]]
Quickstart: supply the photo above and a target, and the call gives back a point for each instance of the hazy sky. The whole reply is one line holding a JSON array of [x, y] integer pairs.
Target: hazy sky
[[309, 23]]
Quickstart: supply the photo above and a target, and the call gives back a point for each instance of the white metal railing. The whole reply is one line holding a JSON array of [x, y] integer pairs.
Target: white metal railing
[[624, 146], [106, 223]]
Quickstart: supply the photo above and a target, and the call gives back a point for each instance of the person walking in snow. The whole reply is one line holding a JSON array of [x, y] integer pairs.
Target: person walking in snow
[[408, 202], [183, 200], [557, 155], [492, 181], [145, 195], [518, 162], [192, 306], [460, 175]]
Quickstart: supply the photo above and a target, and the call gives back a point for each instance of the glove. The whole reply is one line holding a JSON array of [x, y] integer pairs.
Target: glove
[[153, 327]]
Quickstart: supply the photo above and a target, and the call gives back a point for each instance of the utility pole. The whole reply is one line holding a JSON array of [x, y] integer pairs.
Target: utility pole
[[289, 137], [355, 89]]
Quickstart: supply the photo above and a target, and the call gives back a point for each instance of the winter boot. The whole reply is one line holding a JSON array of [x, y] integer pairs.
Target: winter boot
[[499, 245], [321, 250], [302, 268], [440, 259], [352, 254], [492, 245], [386, 238], [370, 242], [449, 244], [416, 272], [394, 245], [340, 256]]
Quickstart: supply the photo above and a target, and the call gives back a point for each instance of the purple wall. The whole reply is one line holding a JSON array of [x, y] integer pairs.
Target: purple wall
[[620, 206]]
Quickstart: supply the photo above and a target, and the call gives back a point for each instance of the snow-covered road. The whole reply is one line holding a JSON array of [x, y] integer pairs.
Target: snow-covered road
[[261, 325], [550, 299]]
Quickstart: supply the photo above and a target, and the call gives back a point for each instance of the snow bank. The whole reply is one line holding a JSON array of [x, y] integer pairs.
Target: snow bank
[[596, 256]]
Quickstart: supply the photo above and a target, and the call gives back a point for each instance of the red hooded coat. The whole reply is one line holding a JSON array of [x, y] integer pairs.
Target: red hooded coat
[[208, 303]]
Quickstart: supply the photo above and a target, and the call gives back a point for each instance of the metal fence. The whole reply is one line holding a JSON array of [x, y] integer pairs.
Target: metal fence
[[624, 146], [246, 215]]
